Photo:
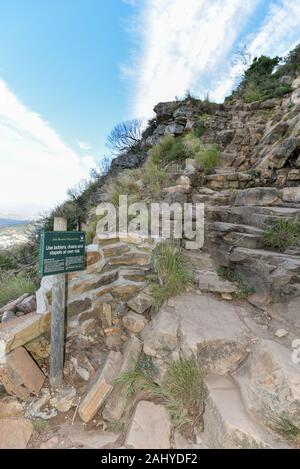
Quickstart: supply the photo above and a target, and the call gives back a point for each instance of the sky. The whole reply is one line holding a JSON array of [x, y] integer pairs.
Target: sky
[[72, 69]]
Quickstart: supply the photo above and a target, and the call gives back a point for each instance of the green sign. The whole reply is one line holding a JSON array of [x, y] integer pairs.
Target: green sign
[[61, 252]]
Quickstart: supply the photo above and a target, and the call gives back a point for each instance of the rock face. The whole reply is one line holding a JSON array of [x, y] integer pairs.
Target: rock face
[[270, 382], [15, 433], [150, 427]]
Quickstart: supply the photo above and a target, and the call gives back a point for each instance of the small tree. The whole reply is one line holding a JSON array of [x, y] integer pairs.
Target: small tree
[[125, 136]]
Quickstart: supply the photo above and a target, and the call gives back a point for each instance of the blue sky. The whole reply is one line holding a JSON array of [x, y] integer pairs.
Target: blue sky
[[71, 69]]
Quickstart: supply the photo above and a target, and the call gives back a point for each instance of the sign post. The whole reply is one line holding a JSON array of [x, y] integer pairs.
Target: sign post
[[58, 319], [60, 252]]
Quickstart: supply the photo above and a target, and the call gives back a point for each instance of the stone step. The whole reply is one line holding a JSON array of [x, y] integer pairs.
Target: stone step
[[258, 216], [116, 249], [272, 273], [226, 422], [235, 235], [229, 179]]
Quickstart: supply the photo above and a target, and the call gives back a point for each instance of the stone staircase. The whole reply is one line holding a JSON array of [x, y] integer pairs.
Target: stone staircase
[[234, 235]]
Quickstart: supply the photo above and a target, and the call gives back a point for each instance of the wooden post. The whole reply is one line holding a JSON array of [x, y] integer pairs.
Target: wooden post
[[58, 319]]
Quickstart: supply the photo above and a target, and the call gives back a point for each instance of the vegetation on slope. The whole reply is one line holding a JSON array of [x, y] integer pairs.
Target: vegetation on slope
[[264, 77]]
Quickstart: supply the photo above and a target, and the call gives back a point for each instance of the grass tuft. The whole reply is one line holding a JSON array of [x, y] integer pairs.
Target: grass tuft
[[172, 272], [13, 286], [282, 235], [285, 427], [182, 392], [169, 149], [139, 378]]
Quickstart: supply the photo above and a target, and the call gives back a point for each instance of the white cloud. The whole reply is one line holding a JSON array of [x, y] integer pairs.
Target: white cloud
[[184, 43], [188, 45], [277, 35], [84, 145], [36, 166], [280, 30]]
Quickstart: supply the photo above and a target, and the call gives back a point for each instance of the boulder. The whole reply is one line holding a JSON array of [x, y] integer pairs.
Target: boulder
[[150, 427], [174, 129]]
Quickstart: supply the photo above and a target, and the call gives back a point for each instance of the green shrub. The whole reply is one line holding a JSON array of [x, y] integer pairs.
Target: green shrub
[[208, 158], [200, 127], [12, 286], [154, 179], [260, 82], [172, 272], [282, 234], [7, 261], [125, 184], [169, 149]]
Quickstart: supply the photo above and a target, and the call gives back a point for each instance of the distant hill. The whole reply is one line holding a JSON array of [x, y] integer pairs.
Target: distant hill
[[11, 222]]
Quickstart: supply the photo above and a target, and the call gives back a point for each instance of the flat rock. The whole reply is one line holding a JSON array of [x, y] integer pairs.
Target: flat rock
[[150, 427], [212, 330], [226, 423], [15, 433], [270, 382]]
